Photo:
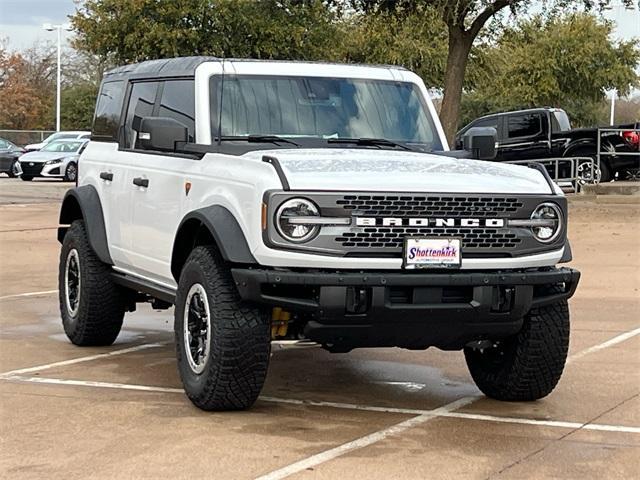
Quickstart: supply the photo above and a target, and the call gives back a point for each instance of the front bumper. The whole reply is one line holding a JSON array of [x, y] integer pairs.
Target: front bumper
[[40, 169], [53, 170], [413, 310]]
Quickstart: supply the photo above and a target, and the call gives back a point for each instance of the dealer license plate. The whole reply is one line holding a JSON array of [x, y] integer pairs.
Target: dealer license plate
[[431, 253]]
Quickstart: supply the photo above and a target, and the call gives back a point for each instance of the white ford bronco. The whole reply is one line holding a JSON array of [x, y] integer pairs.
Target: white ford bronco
[[314, 202]]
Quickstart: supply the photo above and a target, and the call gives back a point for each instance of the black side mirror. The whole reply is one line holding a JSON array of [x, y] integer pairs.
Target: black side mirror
[[161, 133], [481, 142]]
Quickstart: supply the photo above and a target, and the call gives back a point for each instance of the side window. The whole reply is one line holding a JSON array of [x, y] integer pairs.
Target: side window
[[108, 108], [141, 101], [178, 102], [526, 125], [493, 122]]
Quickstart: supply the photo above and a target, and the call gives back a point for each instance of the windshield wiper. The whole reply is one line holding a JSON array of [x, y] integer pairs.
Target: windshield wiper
[[374, 142], [262, 139]]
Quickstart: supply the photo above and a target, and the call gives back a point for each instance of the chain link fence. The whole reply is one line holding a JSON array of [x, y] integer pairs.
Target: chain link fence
[[25, 137]]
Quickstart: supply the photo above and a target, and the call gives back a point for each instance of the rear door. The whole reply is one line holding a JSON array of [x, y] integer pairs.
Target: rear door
[[102, 167]]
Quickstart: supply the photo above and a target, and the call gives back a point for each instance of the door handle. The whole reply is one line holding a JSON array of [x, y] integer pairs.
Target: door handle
[[108, 176], [141, 182]]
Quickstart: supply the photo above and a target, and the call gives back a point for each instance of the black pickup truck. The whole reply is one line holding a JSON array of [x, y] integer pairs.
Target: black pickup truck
[[544, 133]]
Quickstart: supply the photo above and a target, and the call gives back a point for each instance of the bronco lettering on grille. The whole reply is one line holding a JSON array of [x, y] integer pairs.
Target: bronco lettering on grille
[[426, 222]]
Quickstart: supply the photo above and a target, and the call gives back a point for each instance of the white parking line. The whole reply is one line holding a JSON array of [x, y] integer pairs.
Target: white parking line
[[89, 383], [89, 358], [362, 442], [542, 423], [609, 343], [438, 412], [29, 294]]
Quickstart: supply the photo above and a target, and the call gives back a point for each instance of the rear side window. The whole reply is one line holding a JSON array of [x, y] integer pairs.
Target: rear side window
[[141, 102], [525, 125], [178, 102], [560, 121], [108, 108]]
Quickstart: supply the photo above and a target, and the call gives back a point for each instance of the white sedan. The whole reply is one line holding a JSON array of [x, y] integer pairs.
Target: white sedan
[[58, 159], [76, 135]]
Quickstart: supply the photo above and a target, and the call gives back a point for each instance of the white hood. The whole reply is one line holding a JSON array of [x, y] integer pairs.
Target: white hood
[[356, 169]]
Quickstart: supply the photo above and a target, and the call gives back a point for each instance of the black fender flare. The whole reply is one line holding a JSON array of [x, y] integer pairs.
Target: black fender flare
[[223, 227], [567, 255], [84, 203]]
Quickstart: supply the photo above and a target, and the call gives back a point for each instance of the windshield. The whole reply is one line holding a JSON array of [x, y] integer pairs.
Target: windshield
[[324, 108], [59, 136], [6, 145], [68, 147]]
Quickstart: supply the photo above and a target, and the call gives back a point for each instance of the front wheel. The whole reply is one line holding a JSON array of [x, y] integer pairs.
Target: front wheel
[[222, 343], [26, 178], [71, 173], [14, 170], [528, 365]]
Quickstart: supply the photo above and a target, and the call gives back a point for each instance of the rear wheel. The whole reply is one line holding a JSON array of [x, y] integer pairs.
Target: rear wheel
[[222, 343], [603, 173], [528, 365], [91, 305], [26, 178]]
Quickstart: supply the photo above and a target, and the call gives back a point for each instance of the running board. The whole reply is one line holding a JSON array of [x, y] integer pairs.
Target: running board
[[158, 291]]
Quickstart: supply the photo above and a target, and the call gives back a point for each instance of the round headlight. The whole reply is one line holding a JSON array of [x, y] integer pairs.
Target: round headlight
[[550, 224], [293, 211]]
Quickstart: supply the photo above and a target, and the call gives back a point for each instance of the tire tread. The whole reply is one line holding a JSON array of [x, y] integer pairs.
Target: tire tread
[[102, 306], [240, 343], [532, 370]]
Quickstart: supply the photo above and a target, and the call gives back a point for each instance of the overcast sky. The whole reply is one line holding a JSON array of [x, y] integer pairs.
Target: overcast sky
[[21, 20]]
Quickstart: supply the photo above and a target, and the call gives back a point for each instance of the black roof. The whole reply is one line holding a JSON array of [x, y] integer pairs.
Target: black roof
[[166, 67], [186, 66]]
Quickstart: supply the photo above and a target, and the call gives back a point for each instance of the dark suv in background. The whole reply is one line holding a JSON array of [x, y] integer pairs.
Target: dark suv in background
[[541, 133]]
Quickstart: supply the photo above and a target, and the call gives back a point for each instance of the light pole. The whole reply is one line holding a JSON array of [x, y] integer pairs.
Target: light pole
[[614, 93], [50, 28]]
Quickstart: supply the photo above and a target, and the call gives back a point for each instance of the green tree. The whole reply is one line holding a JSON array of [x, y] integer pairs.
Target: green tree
[[416, 41], [465, 20], [77, 106], [125, 31], [565, 61]]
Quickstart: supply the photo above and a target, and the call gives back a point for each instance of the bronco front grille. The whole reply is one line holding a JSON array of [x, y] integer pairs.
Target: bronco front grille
[[379, 222], [393, 237], [412, 205]]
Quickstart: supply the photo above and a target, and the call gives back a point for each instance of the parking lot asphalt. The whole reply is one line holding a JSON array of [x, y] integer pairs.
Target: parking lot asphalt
[[119, 412]]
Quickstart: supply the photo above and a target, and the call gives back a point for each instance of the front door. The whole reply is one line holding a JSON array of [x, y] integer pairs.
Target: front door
[[158, 182], [525, 137]]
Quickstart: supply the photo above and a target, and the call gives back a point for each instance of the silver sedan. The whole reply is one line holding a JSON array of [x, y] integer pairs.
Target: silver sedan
[[58, 159]]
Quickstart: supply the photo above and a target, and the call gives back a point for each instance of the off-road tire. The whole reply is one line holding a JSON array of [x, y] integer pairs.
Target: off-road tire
[[26, 178], [240, 343], [528, 365], [101, 303]]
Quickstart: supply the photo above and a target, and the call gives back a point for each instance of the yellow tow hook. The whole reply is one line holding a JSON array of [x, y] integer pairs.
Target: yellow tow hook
[[279, 322]]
